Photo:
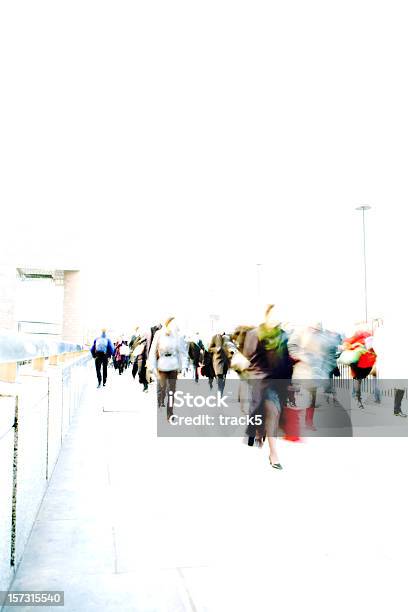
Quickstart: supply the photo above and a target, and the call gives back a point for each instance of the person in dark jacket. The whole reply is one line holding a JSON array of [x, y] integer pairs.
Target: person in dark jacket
[[207, 370], [101, 350], [119, 357], [195, 352], [142, 357], [270, 371], [220, 359], [133, 344]]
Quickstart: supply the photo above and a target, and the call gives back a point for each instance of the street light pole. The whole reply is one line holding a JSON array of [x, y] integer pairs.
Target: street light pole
[[258, 268], [363, 209]]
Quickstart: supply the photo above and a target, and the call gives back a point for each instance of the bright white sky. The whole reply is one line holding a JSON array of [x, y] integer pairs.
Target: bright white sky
[[166, 148]]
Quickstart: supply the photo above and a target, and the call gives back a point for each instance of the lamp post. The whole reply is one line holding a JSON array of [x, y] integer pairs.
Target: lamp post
[[258, 269], [214, 318], [363, 209]]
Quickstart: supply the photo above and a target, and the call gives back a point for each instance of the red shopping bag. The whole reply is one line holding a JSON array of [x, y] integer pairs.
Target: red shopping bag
[[291, 423], [367, 360]]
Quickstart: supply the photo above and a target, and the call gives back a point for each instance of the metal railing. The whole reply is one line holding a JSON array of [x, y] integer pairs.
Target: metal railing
[[17, 349], [370, 385]]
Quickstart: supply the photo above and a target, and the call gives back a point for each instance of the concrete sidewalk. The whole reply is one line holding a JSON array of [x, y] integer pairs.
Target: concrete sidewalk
[[132, 522]]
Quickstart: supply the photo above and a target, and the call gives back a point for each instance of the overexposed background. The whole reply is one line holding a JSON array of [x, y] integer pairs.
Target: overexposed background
[[166, 148]]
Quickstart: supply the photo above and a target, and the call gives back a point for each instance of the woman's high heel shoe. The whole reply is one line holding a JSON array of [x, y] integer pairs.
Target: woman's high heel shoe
[[277, 466]]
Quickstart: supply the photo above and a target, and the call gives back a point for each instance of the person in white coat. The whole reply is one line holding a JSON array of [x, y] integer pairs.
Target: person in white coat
[[166, 358], [390, 344], [309, 348]]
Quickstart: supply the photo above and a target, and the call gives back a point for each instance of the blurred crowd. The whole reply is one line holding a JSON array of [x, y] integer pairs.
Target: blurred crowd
[[281, 366]]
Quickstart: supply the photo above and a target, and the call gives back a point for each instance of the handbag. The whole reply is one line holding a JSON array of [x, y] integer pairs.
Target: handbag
[[367, 359], [239, 362], [138, 350]]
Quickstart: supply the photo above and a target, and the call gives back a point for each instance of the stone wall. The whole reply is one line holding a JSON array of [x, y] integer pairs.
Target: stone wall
[[7, 412], [47, 402]]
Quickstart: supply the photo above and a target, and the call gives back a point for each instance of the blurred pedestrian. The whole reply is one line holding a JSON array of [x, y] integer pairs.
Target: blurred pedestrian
[[125, 354], [101, 350], [311, 349], [270, 372], [360, 357], [134, 345], [118, 357], [220, 361], [165, 360], [144, 373], [390, 342], [195, 353], [207, 369]]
